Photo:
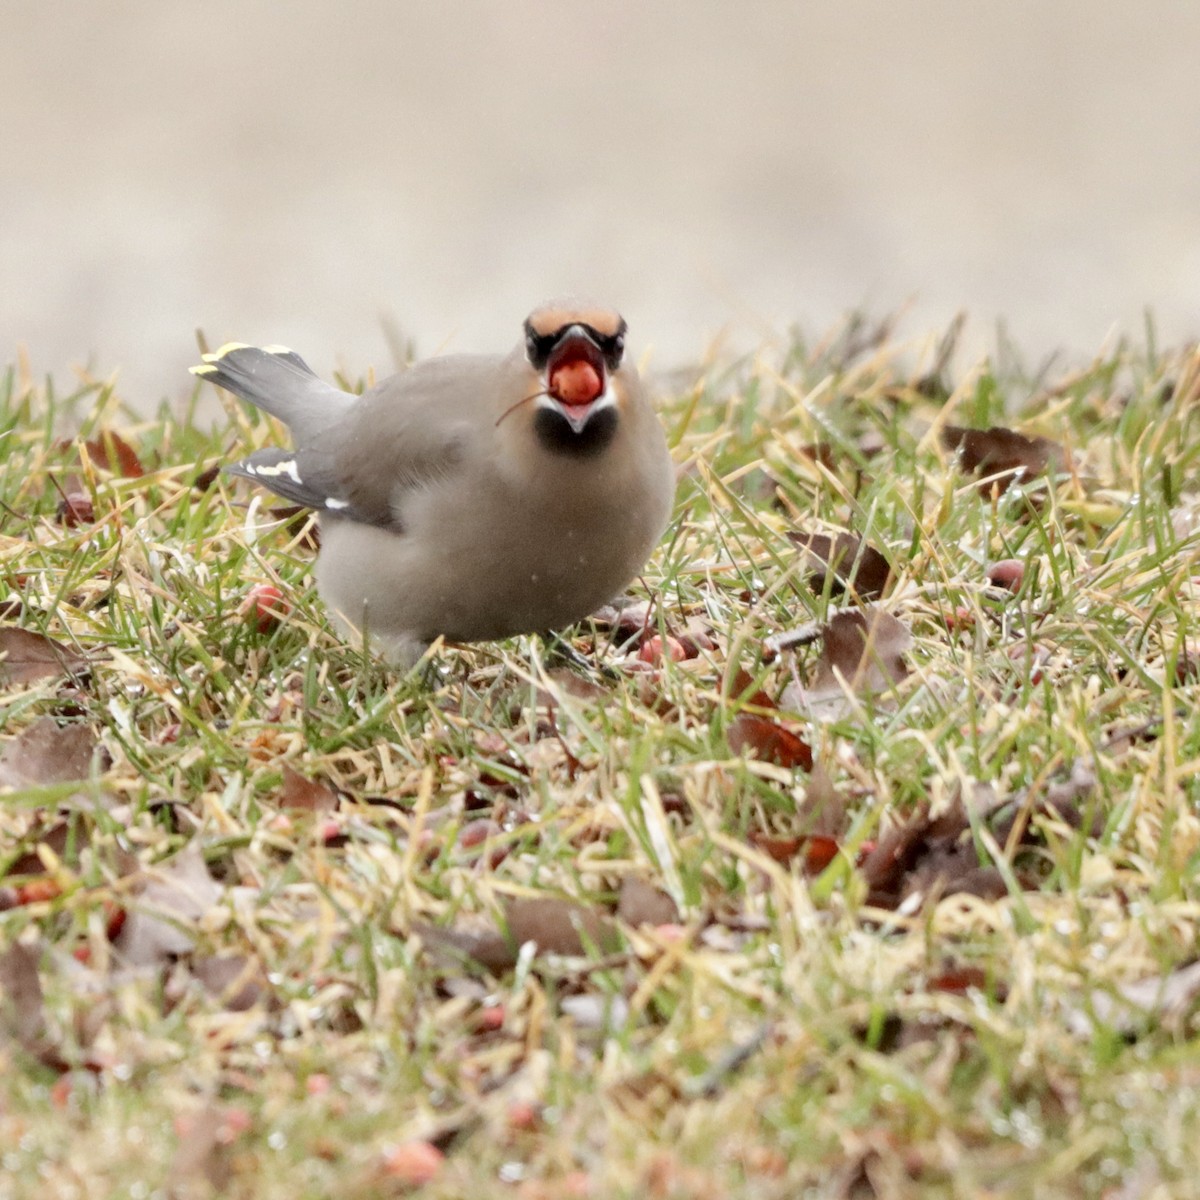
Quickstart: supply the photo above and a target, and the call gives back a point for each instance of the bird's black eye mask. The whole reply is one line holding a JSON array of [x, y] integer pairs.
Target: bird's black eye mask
[[539, 346]]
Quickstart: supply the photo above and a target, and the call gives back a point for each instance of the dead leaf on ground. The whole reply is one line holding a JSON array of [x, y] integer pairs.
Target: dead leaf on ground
[[236, 980], [818, 849], [560, 926], [555, 926], [769, 741], [865, 648], [817, 831], [111, 452], [739, 687], [174, 896], [493, 749], [625, 617], [854, 565], [823, 810], [641, 903], [64, 839], [569, 683], [923, 856], [1066, 797], [960, 979], [206, 478], [305, 795], [1002, 453], [26, 656], [21, 993], [48, 753], [75, 506], [766, 737]]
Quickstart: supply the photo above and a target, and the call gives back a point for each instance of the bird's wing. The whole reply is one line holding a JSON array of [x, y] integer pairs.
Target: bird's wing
[[424, 425], [407, 432], [305, 477]]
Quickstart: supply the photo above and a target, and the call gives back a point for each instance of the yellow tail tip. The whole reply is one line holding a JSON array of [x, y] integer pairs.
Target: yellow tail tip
[[220, 353]]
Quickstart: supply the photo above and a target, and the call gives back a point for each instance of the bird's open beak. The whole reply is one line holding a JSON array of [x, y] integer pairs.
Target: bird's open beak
[[577, 378]]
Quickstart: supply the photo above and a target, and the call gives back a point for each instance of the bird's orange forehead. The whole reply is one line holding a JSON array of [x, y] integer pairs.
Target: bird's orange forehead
[[550, 318]]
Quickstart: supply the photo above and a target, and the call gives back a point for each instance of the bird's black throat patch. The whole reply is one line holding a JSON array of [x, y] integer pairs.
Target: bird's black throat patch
[[555, 433]]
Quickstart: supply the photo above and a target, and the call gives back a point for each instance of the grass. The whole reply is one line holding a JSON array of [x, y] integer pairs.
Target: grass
[[783, 1038]]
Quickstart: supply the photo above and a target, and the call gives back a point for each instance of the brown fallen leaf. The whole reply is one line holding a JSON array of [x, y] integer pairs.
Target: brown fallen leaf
[[960, 979], [555, 926], [854, 565], [21, 994], [111, 452], [769, 741], [740, 689], [75, 508], [206, 478], [923, 856], [865, 648], [64, 839], [234, 979], [560, 926], [780, 847], [26, 656], [305, 795], [761, 734], [625, 617], [824, 810], [173, 897], [818, 849], [641, 903], [1003, 453], [47, 753], [569, 683], [1069, 797], [43, 755]]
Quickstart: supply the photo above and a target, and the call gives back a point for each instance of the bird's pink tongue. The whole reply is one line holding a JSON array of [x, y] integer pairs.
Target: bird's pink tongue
[[576, 383]]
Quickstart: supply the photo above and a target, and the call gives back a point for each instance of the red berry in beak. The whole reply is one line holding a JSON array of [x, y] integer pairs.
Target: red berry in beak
[[576, 383]]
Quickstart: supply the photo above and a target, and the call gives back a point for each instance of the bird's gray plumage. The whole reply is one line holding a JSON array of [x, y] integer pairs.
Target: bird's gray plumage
[[445, 508]]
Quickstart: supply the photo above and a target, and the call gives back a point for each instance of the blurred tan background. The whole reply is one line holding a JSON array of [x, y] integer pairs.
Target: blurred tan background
[[290, 172]]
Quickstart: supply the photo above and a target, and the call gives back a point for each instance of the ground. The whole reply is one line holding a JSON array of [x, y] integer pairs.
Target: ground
[[866, 877]]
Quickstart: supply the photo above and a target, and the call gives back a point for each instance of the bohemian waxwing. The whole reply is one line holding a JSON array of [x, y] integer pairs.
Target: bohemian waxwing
[[470, 496]]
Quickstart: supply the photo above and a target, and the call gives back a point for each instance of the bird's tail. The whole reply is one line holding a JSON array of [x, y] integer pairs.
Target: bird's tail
[[278, 381]]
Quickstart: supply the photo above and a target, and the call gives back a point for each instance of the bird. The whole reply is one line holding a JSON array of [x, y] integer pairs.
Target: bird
[[470, 497]]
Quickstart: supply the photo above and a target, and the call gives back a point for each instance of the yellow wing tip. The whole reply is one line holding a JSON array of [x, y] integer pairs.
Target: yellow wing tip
[[203, 369]]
